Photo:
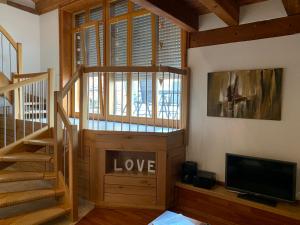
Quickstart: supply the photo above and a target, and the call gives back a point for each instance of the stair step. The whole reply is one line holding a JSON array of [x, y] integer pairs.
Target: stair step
[[41, 142], [37, 217], [15, 198], [26, 157], [7, 176]]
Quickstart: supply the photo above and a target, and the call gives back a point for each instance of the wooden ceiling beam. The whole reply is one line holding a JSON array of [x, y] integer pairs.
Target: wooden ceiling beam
[[227, 10], [22, 7], [246, 32], [176, 11], [292, 7]]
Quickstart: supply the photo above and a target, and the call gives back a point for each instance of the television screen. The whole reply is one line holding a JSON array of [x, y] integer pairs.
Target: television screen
[[268, 178]]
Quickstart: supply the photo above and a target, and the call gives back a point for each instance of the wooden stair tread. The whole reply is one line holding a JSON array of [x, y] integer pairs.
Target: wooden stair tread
[[26, 157], [37, 217], [41, 142], [15, 198], [7, 176]]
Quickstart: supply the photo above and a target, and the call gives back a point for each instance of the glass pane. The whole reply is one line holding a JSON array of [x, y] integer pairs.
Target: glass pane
[[141, 94], [78, 49], [142, 41], [94, 102], [118, 43], [118, 7], [169, 43], [118, 94], [90, 46], [101, 43], [168, 96], [96, 13], [136, 7], [79, 19]]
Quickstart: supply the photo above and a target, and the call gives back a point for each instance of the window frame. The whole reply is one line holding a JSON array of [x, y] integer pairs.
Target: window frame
[[105, 100]]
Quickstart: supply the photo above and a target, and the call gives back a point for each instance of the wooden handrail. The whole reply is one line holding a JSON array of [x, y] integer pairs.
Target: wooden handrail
[[72, 134], [15, 86], [28, 75], [134, 69], [9, 37], [70, 83]]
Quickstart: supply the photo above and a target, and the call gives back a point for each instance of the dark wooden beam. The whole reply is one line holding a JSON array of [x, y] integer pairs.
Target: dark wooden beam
[[22, 7], [176, 11], [227, 10], [292, 7], [246, 32]]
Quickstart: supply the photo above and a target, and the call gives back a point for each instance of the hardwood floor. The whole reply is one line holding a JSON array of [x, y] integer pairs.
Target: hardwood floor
[[101, 216]]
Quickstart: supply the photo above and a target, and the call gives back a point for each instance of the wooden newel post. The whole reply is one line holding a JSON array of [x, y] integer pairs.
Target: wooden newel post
[[58, 136], [19, 58], [51, 97], [73, 182], [83, 113]]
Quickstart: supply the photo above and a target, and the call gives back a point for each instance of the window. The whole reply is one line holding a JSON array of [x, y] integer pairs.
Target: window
[[129, 36]]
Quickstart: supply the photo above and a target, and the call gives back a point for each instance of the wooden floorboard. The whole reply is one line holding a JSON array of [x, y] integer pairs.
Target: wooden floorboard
[[101, 216]]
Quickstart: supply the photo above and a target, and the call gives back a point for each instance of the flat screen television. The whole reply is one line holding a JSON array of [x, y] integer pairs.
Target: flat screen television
[[270, 179]]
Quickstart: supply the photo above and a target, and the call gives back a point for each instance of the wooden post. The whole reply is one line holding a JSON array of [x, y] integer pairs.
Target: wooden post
[[18, 93], [73, 183], [17, 100], [83, 113], [186, 104], [58, 136], [19, 58], [51, 97]]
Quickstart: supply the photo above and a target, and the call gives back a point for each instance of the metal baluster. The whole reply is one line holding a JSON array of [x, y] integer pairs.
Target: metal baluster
[[99, 98], [40, 103], [93, 100], [146, 102], [138, 98], [163, 102], [169, 92], [13, 116], [122, 101], [9, 59], [4, 113], [173, 102], [115, 100], [88, 98], [181, 103], [2, 53], [32, 99], [23, 109]]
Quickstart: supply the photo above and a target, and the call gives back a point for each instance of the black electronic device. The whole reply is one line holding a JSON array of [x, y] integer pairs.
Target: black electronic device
[[267, 179], [189, 170], [205, 179]]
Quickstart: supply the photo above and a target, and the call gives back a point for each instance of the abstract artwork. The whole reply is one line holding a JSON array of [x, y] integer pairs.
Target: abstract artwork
[[250, 94]]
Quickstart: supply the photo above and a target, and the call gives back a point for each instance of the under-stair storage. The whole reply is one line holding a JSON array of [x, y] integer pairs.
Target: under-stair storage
[[131, 169]]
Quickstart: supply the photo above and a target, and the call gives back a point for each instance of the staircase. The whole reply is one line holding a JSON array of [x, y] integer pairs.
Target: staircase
[[36, 149], [38, 146]]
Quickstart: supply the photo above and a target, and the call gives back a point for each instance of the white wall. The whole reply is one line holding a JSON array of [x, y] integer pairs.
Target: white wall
[[211, 138], [24, 28], [49, 35]]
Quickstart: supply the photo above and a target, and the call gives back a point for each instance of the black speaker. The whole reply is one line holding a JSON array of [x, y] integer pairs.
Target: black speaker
[[189, 170], [205, 179]]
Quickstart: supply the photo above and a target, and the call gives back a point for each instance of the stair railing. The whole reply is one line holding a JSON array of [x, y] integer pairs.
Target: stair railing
[[66, 145], [26, 106]]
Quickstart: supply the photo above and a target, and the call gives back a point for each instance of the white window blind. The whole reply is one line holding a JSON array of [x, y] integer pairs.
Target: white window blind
[[142, 41], [90, 46], [169, 43], [96, 13], [79, 19], [101, 43], [118, 7], [118, 43]]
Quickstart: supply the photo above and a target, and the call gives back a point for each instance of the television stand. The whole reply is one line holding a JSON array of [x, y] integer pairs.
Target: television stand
[[259, 199]]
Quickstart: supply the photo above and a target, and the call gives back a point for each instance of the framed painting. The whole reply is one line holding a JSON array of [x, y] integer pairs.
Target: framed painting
[[250, 94]]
